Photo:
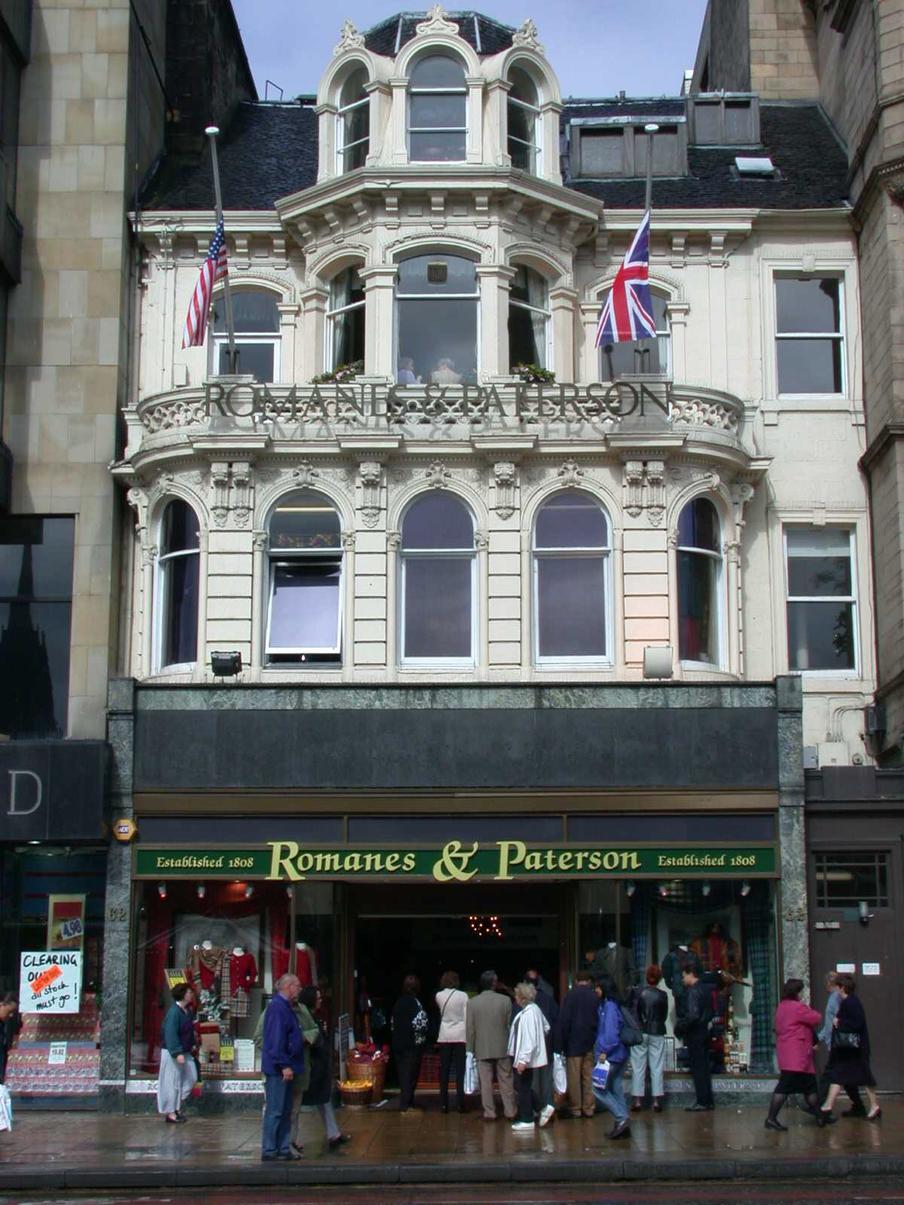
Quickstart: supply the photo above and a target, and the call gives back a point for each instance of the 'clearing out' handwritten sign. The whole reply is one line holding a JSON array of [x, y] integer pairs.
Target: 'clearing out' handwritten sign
[[50, 981]]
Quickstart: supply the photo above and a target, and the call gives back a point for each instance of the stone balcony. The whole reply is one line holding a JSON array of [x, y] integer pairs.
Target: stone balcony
[[629, 417]]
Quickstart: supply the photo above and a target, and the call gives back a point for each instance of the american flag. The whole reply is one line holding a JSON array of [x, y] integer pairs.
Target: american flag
[[213, 269], [627, 313]]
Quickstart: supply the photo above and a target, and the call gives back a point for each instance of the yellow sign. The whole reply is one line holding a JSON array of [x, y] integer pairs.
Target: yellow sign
[[124, 829]]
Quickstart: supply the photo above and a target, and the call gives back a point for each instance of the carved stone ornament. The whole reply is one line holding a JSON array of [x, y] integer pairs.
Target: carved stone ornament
[[633, 487], [527, 36], [260, 540], [304, 475], [349, 38], [504, 474], [437, 475], [371, 473], [219, 488], [570, 473], [436, 22], [731, 550], [655, 474], [348, 540], [481, 540], [148, 555], [393, 540]]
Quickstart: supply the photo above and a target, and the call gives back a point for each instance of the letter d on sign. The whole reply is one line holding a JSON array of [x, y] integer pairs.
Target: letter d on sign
[[14, 776]]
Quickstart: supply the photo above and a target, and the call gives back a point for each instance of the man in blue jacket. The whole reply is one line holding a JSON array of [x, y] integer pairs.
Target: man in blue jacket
[[282, 1058]]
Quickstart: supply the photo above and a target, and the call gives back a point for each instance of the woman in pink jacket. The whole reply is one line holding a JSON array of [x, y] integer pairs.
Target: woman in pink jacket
[[795, 1024]]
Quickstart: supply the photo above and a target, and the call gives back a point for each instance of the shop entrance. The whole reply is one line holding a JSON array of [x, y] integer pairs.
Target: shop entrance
[[426, 930]]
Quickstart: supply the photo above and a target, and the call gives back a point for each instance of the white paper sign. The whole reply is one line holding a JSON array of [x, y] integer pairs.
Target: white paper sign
[[57, 1055], [871, 968], [50, 981], [845, 968]]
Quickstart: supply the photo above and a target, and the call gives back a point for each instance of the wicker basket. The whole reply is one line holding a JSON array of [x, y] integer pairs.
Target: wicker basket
[[354, 1094], [360, 1068]]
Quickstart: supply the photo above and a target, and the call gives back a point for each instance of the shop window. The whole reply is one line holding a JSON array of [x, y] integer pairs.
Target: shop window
[[438, 569], [354, 122], [528, 320], [641, 357], [845, 880], [178, 567], [437, 110], [230, 940], [304, 612], [256, 319], [436, 325], [523, 121], [820, 598], [345, 320], [699, 582], [36, 559], [809, 344], [571, 580]]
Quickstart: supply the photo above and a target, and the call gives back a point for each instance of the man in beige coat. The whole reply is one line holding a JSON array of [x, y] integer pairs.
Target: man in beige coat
[[489, 1017]]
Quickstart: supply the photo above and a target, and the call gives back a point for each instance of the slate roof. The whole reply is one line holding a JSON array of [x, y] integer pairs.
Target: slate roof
[[481, 33], [268, 151]]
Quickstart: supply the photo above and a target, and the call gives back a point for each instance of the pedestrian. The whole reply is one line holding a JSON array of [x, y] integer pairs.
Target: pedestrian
[[319, 1091], [795, 1036], [578, 1023], [849, 1060], [282, 1058], [608, 1047], [178, 1070], [452, 1003], [694, 1028], [487, 1029], [546, 1003], [651, 1007], [9, 1007], [409, 1033], [527, 1048], [833, 1003]]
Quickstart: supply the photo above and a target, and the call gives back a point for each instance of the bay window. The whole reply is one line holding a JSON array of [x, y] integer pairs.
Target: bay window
[[305, 580], [178, 568], [528, 320], [436, 320], [437, 110], [699, 582]]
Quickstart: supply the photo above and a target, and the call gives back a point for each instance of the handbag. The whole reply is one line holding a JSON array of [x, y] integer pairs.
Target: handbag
[[846, 1039], [559, 1074], [630, 1031], [599, 1076]]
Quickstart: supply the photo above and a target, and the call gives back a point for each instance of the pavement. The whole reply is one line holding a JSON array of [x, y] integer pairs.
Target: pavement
[[83, 1151]]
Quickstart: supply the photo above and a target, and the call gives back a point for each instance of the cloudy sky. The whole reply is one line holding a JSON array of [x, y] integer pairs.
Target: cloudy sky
[[597, 47]]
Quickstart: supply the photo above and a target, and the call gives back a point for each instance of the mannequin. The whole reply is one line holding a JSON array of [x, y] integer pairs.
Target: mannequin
[[615, 961], [305, 964], [679, 959], [717, 951]]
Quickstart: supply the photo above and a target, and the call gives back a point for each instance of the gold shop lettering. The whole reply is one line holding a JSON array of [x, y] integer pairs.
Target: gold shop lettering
[[452, 863], [288, 860]]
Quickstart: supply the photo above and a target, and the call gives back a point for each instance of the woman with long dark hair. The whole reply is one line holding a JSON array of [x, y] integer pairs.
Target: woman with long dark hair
[[849, 1065], [319, 1091], [409, 1033], [795, 1036]]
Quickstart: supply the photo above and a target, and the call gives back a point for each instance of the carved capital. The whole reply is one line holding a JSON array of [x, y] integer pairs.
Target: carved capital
[[393, 540], [481, 540], [260, 540], [348, 540], [505, 479]]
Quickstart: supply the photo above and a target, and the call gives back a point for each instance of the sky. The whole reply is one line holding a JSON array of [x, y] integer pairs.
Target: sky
[[596, 47]]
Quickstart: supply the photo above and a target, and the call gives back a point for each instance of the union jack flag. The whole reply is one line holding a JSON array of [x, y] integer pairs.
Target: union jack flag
[[627, 313], [213, 269]]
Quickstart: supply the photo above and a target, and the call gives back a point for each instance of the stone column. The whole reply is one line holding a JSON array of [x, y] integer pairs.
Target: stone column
[[497, 123], [493, 281], [474, 151], [312, 340], [561, 304], [380, 109], [792, 831], [678, 311], [548, 131], [397, 135], [326, 141], [114, 1021], [379, 291], [288, 326]]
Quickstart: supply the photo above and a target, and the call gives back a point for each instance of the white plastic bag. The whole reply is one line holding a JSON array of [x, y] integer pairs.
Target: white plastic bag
[[472, 1081], [6, 1109], [559, 1075]]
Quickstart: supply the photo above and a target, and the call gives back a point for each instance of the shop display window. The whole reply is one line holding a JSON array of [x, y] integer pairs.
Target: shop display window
[[231, 941]]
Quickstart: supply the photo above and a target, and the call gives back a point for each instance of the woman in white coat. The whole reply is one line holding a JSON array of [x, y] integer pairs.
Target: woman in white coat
[[527, 1046]]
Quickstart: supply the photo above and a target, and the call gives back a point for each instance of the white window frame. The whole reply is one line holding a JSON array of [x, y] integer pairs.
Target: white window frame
[[341, 112], [163, 561], [260, 338], [663, 336], [276, 559], [415, 91], [605, 553], [532, 309], [839, 336], [452, 663], [855, 670], [718, 587], [331, 315], [475, 297], [536, 148]]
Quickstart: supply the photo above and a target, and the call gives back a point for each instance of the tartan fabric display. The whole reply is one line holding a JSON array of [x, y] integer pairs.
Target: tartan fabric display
[[758, 920], [238, 1005]]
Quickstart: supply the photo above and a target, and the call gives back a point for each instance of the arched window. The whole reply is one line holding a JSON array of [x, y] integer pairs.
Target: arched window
[[699, 577], [345, 319], [528, 321], [437, 110], [354, 122], [523, 121], [256, 321], [438, 581], [178, 568], [645, 356], [305, 600], [571, 580], [436, 324]]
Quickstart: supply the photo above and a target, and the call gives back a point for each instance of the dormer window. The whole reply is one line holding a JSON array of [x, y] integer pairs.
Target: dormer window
[[523, 121], [437, 110], [354, 122], [719, 120], [602, 149]]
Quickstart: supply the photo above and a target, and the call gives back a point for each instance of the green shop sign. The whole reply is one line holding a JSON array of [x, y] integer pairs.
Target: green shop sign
[[455, 862]]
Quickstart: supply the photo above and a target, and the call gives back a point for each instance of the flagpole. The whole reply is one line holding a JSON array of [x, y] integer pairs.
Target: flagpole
[[231, 355], [651, 131]]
